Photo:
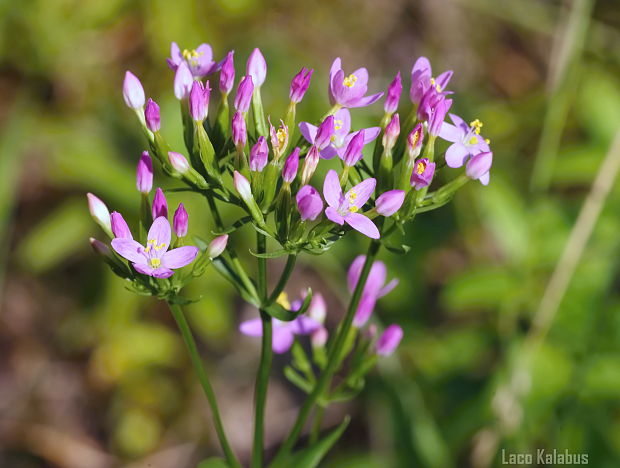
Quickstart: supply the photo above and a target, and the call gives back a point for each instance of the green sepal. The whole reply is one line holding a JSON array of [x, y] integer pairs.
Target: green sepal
[[258, 114]]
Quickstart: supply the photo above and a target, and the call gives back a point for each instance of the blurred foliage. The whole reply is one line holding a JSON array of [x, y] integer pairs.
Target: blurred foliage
[[105, 372]]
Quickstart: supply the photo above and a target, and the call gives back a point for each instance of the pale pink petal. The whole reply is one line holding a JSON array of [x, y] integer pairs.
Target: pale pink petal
[[456, 154], [160, 233], [388, 287], [304, 325], [331, 189], [179, 257], [283, 339], [367, 100], [485, 178], [362, 192], [333, 215], [355, 270], [450, 133], [129, 249], [308, 131], [361, 223], [252, 327], [364, 310]]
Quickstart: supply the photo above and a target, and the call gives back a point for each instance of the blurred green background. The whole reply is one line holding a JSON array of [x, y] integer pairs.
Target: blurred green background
[[93, 376]]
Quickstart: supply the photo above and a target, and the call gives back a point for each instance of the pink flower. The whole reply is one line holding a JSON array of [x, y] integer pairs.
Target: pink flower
[[466, 140], [344, 208], [389, 340], [199, 61], [155, 259], [349, 90]]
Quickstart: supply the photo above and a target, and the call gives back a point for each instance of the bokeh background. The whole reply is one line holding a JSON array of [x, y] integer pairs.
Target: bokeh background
[[93, 376]]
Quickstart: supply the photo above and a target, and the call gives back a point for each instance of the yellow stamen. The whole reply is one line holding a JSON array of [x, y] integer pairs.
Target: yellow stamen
[[487, 141], [281, 135], [421, 167], [283, 300], [473, 140], [352, 197], [192, 56], [436, 85], [155, 262], [476, 125], [349, 81], [337, 124], [353, 209]]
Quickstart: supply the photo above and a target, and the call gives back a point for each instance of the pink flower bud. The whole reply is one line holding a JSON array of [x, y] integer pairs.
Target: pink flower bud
[[310, 164], [178, 162], [324, 133], [257, 67], [392, 130], [242, 186], [144, 173], [99, 211], [422, 174], [258, 155], [478, 167], [120, 229], [300, 85], [99, 247], [353, 153], [244, 94], [239, 130], [317, 309], [393, 95], [133, 92], [390, 202], [217, 246], [199, 101], [160, 205], [414, 141], [389, 340], [152, 116], [309, 203], [183, 80], [289, 172], [227, 73], [180, 221]]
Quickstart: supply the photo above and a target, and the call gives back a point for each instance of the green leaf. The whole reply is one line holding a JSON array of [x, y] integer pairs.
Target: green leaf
[[397, 249], [274, 254], [297, 380], [282, 313], [213, 463], [312, 456]]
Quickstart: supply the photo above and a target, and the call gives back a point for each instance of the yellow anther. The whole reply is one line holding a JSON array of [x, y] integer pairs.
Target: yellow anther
[[155, 262], [473, 140], [281, 135], [487, 141], [192, 56], [349, 81], [435, 85], [476, 125], [352, 197], [353, 209], [337, 124], [421, 167], [159, 247], [283, 300]]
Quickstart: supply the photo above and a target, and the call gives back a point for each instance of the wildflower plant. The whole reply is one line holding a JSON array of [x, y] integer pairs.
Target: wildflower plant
[[264, 165]]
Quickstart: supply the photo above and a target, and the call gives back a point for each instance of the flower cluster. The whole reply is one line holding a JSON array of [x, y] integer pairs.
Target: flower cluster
[[300, 185]]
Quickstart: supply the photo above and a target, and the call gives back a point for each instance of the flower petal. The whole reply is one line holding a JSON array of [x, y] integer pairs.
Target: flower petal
[[129, 249], [333, 215], [331, 189], [366, 100], [361, 223], [364, 310], [388, 287], [283, 339], [371, 133], [160, 232], [155, 272], [253, 327], [355, 270], [329, 152], [484, 178], [179, 257], [456, 154], [450, 132], [304, 325], [308, 131], [342, 120], [362, 192]]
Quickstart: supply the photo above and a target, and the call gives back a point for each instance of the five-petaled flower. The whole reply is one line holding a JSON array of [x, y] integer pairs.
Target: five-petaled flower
[[155, 259], [466, 140], [349, 90], [344, 208], [199, 60]]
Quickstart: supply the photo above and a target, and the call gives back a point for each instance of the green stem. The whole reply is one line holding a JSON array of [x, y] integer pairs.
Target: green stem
[[188, 338], [334, 356], [315, 432], [264, 369], [286, 274]]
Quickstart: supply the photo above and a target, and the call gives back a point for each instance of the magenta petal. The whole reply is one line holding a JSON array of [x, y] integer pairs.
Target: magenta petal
[[362, 192], [179, 257], [367, 100], [331, 189], [162, 272], [304, 325], [376, 278], [253, 327], [388, 287], [364, 310], [456, 154], [443, 79], [355, 271], [361, 223], [329, 152], [333, 215], [160, 232], [282, 339], [129, 249], [308, 131], [371, 133]]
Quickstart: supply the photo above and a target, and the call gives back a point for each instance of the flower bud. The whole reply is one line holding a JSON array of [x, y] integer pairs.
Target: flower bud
[[422, 174], [353, 153], [120, 229], [478, 167], [310, 164], [300, 85], [100, 213], [239, 130], [244, 94], [99, 247], [217, 246], [420, 79], [319, 337], [309, 203], [257, 67], [133, 92], [393, 95], [160, 205], [178, 162], [242, 186], [392, 130], [289, 172], [390, 202], [152, 116], [279, 139], [144, 173], [324, 133], [389, 340], [437, 116], [183, 81], [227, 73], [180, 221], [414, 141], [258, 155], [199, 101]]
